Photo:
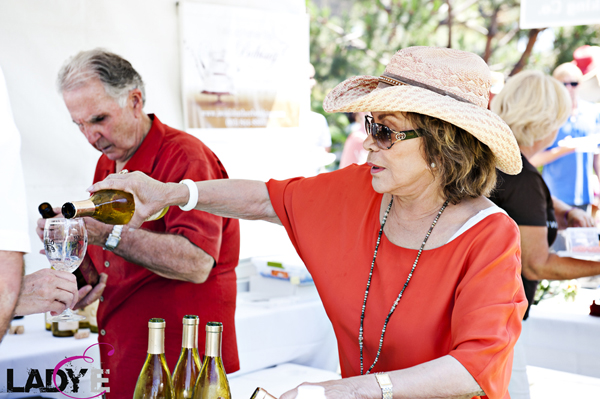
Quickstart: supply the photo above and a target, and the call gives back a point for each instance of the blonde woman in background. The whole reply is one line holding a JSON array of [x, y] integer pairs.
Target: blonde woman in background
[[567, 172], [535, 105]]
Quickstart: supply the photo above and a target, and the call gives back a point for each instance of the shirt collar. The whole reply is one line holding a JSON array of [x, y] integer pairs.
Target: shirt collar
[[143, 159]]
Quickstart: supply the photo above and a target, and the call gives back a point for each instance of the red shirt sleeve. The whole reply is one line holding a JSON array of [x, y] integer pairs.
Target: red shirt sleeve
[[490, 304]]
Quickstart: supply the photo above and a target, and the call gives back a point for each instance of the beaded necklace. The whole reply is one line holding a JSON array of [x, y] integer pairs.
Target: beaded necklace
[[362, 316]]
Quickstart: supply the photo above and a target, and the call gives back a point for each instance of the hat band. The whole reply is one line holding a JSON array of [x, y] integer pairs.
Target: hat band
[[393, 80]]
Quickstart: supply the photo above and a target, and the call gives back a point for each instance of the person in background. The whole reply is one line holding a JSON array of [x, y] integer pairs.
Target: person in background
[[353, 147], [316, 123], [535, 105], [183, 263], [315, 134], [567, 172], [14, 240], [43, 291], [497, 85], [418, 271]]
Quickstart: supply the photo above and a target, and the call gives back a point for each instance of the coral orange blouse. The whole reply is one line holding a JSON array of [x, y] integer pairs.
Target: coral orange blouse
[[465, 298]]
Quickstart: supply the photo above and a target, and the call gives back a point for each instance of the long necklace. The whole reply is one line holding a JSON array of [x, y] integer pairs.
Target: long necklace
[[387, 319]]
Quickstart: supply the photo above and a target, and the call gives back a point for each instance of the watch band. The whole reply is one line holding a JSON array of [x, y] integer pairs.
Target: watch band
[[114, 238], [385, 383]]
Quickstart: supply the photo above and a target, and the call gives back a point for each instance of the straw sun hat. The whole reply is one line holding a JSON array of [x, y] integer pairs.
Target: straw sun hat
[[447, 84]]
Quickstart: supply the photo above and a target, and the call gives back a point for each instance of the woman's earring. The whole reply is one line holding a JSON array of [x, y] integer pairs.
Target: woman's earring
[[432, 165]]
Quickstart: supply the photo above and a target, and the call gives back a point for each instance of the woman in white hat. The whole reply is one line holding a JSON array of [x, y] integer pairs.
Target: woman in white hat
[[417, 270], [535, 106]]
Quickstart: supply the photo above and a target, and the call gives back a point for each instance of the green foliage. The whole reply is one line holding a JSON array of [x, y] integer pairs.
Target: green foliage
[[570, 38], [361, 39]]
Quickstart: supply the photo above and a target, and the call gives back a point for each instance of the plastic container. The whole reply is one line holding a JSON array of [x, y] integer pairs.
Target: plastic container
[[582, 240], [284, 267]]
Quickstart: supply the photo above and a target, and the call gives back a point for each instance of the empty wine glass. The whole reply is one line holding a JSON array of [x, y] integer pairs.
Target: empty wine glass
[[65, 242]]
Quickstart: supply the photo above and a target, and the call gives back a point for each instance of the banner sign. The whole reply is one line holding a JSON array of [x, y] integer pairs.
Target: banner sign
[[242, 67], [551, 13]]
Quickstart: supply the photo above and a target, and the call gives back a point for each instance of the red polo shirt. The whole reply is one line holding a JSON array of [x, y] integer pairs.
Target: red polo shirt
[[133, 294]]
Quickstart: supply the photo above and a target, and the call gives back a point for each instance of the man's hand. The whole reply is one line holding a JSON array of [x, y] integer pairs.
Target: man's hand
[[39, 228], [47, 290], [89, 294], [97, 231], [579, 218]]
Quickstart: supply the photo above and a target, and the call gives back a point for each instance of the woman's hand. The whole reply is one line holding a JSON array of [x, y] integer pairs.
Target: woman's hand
[[579, 218], [150, 195]]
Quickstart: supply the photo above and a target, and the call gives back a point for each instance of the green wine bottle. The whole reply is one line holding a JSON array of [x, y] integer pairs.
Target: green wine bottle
[[154, 381], [107, 206], [212, 381], [188, 366]]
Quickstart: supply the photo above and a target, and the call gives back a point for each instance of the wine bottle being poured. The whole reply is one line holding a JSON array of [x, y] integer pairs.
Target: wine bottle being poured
[[107, 206]]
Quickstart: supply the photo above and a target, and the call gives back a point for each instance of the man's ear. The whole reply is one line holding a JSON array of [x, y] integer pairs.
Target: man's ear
[[137, 103]]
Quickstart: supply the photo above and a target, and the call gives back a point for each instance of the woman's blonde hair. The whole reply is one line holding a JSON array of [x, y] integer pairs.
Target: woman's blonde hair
[[534, 105], [464, 165]]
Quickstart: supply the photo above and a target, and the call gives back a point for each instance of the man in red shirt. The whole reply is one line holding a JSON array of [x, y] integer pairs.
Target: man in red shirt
[[181, 264]]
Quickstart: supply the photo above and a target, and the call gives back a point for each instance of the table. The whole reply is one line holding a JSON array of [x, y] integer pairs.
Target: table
[[271, 331], [562, 336], [277, 380]]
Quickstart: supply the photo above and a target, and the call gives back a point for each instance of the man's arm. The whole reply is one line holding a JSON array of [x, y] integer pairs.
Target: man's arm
[[545, 157], [168, 255], [11, 270]]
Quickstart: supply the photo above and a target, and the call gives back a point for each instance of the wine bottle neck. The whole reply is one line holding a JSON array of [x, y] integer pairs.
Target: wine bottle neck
[[213, 344], [190, 336], [156, 341], [79, 209]]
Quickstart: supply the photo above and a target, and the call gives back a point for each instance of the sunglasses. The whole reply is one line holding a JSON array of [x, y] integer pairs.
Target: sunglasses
[[386, 137], [572, 84]]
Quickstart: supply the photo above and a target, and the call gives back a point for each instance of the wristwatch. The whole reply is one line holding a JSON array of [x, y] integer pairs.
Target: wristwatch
[[385, 383], [113, 238]]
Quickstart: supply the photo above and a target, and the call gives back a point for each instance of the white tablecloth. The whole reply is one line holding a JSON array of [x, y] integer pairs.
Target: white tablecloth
[[562, 336], [270, 332]]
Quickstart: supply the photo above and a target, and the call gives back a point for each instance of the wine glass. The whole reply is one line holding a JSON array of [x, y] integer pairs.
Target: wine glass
[[65, 242]]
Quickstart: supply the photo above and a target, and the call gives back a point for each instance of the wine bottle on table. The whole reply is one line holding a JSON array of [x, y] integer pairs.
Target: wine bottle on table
[[48, 323], [154, 381], [64, 328], [212, 380], [107, 206], [188, 366]]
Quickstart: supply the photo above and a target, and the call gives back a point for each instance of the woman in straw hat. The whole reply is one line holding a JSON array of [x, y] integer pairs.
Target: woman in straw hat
[[535, 106], [417, 270]]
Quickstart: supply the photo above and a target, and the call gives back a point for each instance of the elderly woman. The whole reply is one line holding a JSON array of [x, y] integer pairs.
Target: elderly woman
[[417, 270], [535, 106]]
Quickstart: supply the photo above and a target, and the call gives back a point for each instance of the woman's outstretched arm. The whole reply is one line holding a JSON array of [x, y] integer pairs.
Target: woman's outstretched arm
[[240, 199]]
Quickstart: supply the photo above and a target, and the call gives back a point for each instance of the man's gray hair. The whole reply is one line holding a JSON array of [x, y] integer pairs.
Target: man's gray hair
[[114, 72]]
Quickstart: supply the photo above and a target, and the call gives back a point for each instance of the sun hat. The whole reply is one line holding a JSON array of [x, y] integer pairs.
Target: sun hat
[[443, 83]]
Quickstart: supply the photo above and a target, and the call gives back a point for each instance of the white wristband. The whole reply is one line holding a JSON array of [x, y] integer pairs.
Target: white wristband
[[193, 201]]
